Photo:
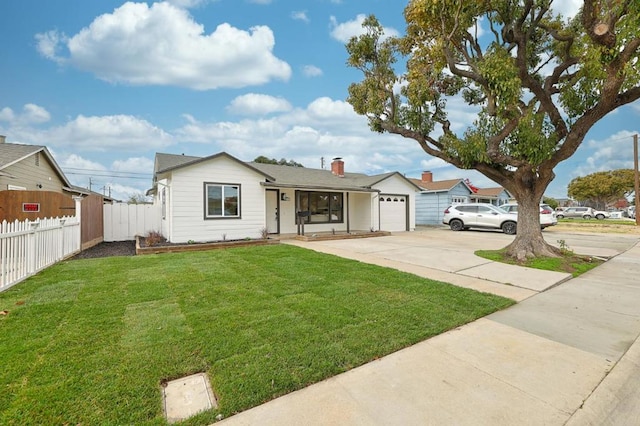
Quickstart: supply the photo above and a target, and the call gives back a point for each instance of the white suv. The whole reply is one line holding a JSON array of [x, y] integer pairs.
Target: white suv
[[479, 215], [547, 215]]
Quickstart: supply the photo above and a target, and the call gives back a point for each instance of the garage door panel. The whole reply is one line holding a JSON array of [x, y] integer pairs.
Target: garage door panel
[[393, 212]]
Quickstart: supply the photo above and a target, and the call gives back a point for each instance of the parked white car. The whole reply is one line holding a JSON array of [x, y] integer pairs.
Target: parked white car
[[460, 217], [547, 215]]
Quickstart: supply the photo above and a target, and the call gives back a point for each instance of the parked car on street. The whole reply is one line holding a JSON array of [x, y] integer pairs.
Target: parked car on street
[[547, 215], [463, 216], [583, 212]]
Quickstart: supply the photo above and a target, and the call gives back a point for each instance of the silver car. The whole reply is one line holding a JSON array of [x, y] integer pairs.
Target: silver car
[[583, 212], [479, 215]]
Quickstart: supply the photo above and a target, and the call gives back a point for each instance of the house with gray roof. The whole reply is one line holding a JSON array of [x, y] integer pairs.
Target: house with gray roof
[[436, 195], [221, 197], [30, 168]]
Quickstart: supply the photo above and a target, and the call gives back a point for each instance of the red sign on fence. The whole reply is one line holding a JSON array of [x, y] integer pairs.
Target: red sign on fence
[[31, 207]]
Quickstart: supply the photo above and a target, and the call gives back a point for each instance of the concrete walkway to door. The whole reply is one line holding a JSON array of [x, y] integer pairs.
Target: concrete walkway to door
[[567, 355]]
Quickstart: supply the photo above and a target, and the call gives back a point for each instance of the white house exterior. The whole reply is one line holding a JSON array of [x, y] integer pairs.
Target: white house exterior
[[220, 197]]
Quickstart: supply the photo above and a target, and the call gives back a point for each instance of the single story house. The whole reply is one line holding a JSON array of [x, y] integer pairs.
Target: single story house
[[30, 168], [435, 196], [221, 197], [496, 196]]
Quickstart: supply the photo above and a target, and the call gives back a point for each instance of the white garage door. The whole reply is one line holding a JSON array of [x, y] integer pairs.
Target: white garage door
[[393, 212]]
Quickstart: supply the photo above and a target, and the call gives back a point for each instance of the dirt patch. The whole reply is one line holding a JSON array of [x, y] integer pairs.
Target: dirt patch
[[118, 248]]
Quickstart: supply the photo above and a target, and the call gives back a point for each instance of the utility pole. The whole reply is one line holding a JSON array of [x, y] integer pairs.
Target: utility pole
[[636, 185]]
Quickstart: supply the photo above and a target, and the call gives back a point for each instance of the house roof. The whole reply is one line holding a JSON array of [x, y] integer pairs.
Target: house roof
[[490, 192], [285, 176], [12, 153], [438, 185]]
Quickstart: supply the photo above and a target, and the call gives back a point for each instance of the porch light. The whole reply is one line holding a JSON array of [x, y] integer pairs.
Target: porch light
[[284, 196]]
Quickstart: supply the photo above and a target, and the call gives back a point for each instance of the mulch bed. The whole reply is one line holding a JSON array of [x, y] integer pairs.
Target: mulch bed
[[118, 248]]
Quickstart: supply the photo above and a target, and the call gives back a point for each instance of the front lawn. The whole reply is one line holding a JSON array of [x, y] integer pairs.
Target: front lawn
[[89, 341]]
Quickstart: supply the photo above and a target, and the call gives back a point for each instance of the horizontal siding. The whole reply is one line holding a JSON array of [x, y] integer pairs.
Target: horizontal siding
[[28, 175], [430, 206], [187, 202]]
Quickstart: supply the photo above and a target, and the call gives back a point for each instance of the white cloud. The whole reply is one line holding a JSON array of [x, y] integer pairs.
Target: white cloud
[[311, 71], [344, 31], [567, 8], [134, 165], [163, 45], [615, 152], [106, 133], [257, 104], [31, 114], [187, 4], [300, 16], [7, 114], [260, 1]]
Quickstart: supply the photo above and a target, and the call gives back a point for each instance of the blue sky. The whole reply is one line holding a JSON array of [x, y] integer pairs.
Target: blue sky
[[106, 84]]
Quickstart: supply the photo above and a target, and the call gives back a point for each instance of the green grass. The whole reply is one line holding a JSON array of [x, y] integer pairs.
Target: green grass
[[593, 221], [89, 341], [569, 263]]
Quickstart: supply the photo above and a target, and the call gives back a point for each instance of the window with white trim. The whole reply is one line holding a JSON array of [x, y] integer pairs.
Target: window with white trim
[[221, 201], [458, 200]]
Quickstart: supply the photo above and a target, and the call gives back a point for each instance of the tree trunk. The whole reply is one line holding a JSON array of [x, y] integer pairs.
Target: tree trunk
[[529, 242]]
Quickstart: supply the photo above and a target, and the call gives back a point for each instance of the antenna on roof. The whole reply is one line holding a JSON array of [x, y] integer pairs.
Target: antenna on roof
[[322, 163]]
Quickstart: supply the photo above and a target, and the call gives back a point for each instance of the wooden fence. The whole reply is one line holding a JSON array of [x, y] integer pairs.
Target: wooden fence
[[27, 247], [122, 222]]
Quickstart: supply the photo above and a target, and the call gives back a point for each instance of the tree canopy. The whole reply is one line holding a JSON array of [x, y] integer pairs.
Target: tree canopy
[[602, 188], [538, 83], [281, 162]]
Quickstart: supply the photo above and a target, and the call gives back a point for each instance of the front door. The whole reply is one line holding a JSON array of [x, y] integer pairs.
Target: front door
[[272, 219]]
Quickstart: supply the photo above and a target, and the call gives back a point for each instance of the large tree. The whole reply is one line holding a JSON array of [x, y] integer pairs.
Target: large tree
[[539, 83], [281, 162], [602, 188]]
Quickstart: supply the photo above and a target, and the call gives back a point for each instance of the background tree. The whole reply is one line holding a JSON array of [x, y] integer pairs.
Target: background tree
[[137, 198], [281, 162], [539, 83], [602, 188], [552, 202]]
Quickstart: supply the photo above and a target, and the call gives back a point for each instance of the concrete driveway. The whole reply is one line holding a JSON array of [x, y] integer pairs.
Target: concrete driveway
[[441, 254]]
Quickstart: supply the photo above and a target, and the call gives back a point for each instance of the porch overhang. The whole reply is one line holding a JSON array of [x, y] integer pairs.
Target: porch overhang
[[319, 187]]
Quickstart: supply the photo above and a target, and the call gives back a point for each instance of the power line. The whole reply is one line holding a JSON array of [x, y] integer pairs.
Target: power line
[[107, 171]]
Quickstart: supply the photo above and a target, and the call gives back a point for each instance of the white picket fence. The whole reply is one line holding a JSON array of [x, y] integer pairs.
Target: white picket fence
[[28, 247], [122, 222]]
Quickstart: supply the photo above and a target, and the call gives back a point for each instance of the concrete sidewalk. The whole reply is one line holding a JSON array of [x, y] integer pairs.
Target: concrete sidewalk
[[558, 357]]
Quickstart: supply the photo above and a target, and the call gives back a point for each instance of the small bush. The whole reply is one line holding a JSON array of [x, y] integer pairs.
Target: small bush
[[264, 233], [152, 238]]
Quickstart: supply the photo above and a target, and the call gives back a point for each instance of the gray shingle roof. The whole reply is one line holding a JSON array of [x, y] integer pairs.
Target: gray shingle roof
[[285, 176], [11, 153]]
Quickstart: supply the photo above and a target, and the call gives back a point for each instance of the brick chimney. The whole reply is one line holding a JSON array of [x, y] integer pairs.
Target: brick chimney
[[427, 176], [337, 167]]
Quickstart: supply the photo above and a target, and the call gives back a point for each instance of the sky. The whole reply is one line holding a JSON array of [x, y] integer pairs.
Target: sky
[[105, 85]]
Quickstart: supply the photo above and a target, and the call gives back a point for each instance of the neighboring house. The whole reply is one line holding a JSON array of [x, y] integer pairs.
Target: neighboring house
[[30, 168], [436, 196], [221, 197], [496, 196]]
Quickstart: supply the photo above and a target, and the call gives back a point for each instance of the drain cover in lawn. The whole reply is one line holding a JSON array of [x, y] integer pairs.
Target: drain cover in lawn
[[187, 396]]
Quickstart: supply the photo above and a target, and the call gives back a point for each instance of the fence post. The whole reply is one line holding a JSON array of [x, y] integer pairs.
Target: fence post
[[78, 200], [31, 241]]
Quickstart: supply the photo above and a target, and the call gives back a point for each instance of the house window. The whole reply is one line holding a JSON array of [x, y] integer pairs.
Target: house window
[[323, 207], [221, 201], [458, 200]]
